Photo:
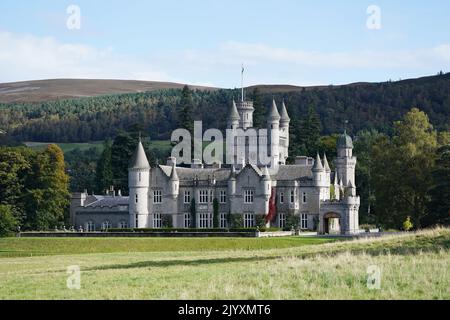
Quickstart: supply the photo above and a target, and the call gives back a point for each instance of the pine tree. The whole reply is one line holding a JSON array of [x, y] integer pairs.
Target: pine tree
[[185, 110], [259, 115], [104, 172]]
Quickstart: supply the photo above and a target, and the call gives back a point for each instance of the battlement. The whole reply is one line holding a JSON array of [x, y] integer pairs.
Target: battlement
[[247, 105]]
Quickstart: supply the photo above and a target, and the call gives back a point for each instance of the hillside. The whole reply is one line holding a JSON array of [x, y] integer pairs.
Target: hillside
[[84, 119], [58, 89]]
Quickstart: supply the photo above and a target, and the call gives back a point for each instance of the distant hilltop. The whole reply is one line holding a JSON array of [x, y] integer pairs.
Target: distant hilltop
[[60, 89]]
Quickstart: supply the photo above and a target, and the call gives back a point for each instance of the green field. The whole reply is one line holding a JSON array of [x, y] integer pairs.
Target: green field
[[67, 147], [414, 266]]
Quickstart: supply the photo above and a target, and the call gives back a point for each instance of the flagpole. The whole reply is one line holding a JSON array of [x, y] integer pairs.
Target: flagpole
[[242, 83]]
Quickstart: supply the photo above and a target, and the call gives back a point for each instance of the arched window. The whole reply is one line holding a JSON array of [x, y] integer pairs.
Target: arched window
[[106, 225], [89, 226]]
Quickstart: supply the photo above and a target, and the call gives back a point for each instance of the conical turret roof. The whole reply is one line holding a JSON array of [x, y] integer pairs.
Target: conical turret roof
[[325, 163], [273, 114], [317, 164], [139, 159], [233, 114], [284, 114]]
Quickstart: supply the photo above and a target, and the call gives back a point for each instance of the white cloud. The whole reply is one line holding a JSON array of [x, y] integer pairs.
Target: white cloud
[[27, 57]]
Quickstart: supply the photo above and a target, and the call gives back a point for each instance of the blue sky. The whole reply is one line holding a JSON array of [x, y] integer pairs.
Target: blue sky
[[205, 41]]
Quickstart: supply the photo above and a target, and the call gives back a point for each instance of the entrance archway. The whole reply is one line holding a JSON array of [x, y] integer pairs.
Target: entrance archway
[[332, 223]]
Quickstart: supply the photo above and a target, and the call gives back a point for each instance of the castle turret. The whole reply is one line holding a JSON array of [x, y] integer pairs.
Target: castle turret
[[336, 187], [232, 182], [327, 169], [138, 183], [318, 171], [273, 124], [174, 182], [233, 117], [345, 163], [266, 183], [245, 110], [284, 134]]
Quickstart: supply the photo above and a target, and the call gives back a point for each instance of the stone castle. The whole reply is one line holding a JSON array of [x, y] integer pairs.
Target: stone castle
[[308, 195]]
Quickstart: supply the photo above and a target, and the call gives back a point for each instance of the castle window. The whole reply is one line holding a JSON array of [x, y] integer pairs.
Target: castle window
[[248, 196], [304, 221], [203, 196], [139, 177], [136, 221], [89, 226], [211, 196], [304, 197], [106, 225], [281, 197], [187, 220], [282, 220], [136, 198], [249, 220], [223, 196], [187, 196], [292, 196], [122, 224], [157, 220], [157, 196], [205, 220], [223, 220]]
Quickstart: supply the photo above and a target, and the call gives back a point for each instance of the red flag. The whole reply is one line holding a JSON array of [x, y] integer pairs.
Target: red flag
[[272, 206]]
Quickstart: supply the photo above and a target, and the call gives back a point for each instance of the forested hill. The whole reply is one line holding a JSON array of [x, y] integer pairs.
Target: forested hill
[[60, 89], [364, 105]]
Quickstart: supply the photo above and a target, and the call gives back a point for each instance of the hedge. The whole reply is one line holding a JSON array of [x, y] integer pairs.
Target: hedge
[[149, 230]]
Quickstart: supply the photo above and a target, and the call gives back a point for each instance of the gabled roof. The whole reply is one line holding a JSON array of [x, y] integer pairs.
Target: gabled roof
[[293, 172], [139, 159], [108, 201], [189, 174]]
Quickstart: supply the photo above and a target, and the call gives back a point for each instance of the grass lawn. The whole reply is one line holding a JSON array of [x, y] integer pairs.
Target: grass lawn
[[67, 147], [413, 266]]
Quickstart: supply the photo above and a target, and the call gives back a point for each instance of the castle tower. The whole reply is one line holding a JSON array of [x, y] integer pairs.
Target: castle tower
[[284, 134], [174, 182], [345, 163], [245, 110], [138, 184], [233, 117], [273, 126], [267, 190], [320, 180]]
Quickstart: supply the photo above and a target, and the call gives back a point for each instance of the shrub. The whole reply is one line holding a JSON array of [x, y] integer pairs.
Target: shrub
[[8, 222], [407, 224], [237, 221], [167, 221]]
